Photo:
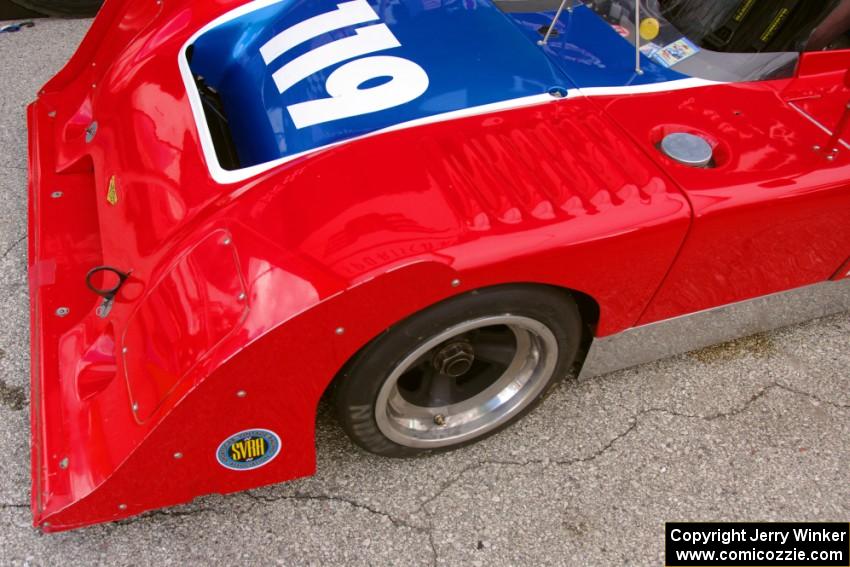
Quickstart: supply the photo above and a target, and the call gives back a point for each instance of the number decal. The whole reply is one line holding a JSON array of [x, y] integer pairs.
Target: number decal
[[405, 80], [347, 14], [368, 40]]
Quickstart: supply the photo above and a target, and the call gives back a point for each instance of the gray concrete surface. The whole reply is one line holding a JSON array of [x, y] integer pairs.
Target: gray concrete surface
[[757, 429]]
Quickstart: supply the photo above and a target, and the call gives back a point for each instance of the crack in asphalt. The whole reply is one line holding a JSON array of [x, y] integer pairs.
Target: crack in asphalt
[[167, 513], [634, 421], [399, 523], [633, 424], [12, 247], [632, 427], [803, 393], [429, 529], [260, 499], [434, 556], [329, 498]]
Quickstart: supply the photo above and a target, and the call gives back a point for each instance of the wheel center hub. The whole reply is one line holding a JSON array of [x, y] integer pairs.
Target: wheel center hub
[[454, 359]]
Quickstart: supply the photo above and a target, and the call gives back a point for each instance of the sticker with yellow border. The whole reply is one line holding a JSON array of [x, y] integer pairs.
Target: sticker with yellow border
[[249, 449]]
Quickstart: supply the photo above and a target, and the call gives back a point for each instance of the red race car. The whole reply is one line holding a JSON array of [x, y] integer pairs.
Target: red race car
[[431, 210]]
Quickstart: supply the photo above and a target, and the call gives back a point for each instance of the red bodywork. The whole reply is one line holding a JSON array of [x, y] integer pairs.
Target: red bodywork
[[231, 317]]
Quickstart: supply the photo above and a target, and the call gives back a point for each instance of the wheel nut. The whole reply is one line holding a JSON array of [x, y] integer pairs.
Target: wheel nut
[[440, 419], [454, 359]]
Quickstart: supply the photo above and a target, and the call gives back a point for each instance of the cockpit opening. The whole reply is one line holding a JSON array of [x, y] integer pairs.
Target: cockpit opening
[[718, 40], [742, 26]]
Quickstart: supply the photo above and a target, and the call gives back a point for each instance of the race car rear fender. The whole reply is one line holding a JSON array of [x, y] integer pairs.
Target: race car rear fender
[[303, 323], [274, 383], [307, 271]]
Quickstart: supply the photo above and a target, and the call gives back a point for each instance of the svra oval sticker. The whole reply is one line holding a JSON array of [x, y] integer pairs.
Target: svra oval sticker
[[249, 449]]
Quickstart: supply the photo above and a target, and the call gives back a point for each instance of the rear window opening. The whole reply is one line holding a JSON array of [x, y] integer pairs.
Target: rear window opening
[[720, 40], [216, 118], [741, 26], [752, 26]]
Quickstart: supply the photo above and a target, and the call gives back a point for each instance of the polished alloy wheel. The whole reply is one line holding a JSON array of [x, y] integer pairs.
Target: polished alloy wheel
[[466, 381]]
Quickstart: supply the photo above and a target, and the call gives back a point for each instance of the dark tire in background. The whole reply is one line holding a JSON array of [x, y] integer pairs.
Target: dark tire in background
[[61, 8]]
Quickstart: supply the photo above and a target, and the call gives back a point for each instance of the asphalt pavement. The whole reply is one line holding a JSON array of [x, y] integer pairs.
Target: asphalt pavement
[[752, 430]]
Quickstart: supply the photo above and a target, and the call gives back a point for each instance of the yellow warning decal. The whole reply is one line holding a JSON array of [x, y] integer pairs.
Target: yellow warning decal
[[744, 10], [775, 25], [112, 192]]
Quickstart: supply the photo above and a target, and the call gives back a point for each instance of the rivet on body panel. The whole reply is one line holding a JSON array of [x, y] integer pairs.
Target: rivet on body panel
[[241, 394], [63, 464], [63, 312], [455, 283], [340, 330], [56, 194]]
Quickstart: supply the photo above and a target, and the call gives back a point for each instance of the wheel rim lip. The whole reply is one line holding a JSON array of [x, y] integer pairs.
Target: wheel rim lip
[[528, 373]]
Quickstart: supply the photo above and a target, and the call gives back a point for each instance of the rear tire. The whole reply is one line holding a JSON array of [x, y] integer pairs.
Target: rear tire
[[62, 8], [459, 371]]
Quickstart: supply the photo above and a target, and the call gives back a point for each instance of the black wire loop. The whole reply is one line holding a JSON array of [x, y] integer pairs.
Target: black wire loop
[[106, 293]]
